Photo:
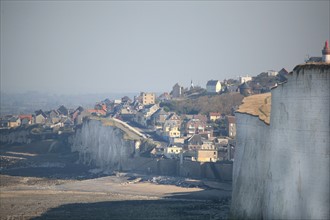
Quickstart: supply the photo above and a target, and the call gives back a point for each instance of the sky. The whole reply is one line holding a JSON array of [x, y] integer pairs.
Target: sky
[[82, 47]]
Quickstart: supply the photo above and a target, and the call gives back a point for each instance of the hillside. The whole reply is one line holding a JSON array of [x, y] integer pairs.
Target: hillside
[[205, 104]]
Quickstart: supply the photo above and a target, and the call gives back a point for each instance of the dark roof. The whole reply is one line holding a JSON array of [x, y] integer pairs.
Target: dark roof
[[40, 112], [212, 82], [283, 71], [13, 119], [63, 110], [244, 86], [196, 139], [80, 109], [314, 59]]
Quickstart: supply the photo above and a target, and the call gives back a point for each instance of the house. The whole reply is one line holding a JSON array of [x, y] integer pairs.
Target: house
[[213, 86], [62, 110], [195, 126], [231, 126], [194, 142], [171, 128], [147, 98], [126, 100], [80, 117], [67, 122], [213, 116], [40, 117], [159, 118], [243, 79], [282, 75], [127, 113], [170, 131], [14, 121], [272, 73], [97, 112], [176, 91], [245, 89], [164, 97], [54, 116], [173, 151], [101, 106], [75, 113], [143, 117], [207, 155], [174, 117], [26, 119], [313, 59]]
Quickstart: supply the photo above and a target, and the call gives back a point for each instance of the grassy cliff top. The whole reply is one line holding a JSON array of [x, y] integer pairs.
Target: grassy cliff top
[[257, 105]]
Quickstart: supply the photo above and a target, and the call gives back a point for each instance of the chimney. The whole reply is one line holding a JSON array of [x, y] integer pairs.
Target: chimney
[[326, 53]]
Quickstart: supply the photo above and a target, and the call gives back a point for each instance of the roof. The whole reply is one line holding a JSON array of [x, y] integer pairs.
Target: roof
[[80, 109], [13, 119], [218, 114], [314, 59], [97, 111], [257, 105], [196, 139], [231, 119], [25, 116], [40, 112], [283, 71], [63, 110], [244, 86], [173, 116], [212, 82]]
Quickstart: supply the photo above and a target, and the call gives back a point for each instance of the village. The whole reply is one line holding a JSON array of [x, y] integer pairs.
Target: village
[[182, 133]]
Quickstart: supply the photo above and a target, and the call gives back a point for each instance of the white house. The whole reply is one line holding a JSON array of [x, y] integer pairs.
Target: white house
[[243, 79], [172, 151], [213, 86]]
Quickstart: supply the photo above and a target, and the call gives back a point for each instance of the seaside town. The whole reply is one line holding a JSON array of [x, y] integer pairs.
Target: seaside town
[[195, 123], [164, 110]]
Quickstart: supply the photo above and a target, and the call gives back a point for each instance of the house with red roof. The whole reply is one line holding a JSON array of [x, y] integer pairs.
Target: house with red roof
[[26, 119]]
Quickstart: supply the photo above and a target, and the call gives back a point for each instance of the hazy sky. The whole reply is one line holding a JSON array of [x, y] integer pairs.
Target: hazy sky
[[131, 46]]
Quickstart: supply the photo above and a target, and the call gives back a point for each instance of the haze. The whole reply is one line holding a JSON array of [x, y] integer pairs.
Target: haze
[[130, 46]]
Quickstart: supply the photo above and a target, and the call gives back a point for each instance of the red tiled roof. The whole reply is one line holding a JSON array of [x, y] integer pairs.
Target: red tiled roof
[[215, 114], [25, 116], [231, 119]]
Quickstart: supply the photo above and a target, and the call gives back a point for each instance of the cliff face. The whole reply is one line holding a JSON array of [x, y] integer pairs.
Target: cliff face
[[15, 136], [281, 170], [103, 146]]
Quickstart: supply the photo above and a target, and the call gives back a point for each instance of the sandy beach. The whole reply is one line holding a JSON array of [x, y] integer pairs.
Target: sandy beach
[[36, 184]]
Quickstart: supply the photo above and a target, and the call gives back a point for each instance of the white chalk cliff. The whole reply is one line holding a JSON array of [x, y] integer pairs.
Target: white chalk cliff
[[102, 145], [282, 168]]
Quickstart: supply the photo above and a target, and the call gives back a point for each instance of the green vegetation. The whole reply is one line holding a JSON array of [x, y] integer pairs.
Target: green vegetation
[[205, 104]]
